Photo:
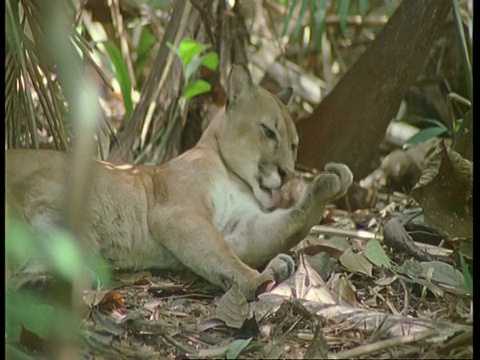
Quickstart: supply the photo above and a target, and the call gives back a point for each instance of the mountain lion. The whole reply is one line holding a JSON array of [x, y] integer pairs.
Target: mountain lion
[[216, 209]]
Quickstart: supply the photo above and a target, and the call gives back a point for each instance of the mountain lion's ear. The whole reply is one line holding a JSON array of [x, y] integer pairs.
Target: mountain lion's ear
[[285, 95], [239, 83]]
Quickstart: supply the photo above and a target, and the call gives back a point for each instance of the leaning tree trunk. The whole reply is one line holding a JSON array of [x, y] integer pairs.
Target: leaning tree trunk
[[351, 121]]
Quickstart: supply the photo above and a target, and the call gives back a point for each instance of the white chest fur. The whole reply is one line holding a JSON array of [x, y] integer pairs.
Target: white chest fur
[[234, 212]]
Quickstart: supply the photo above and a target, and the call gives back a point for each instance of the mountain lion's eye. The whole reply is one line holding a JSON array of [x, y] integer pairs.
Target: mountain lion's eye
[[269, 133]]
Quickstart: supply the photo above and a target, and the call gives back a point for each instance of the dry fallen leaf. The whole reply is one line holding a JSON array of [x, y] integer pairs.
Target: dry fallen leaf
[[309, 285], [93, 297], [32, 341], [233, 308], [343, 289], [356, 263], [445, 193], [105, 300], [112, 300]]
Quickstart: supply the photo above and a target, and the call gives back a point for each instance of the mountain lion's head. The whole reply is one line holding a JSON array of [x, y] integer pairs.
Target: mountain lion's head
[[258, 140]]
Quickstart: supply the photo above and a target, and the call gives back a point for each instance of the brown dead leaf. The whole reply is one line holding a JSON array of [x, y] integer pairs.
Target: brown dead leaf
[[343, 290], [93, 297], [211, 323], [32, 341], [112, 300], [233, 308], [323, 264], [105, 300], [106, 324], [396, 237], [334, 246], [357, 197], [445, 193], [356, 263]]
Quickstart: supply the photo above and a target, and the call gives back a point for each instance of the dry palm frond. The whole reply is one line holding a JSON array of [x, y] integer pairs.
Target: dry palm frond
[[35, 106], [33, 101]]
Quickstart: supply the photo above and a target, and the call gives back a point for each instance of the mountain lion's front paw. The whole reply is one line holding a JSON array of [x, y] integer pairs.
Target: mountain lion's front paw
[[344, 174], [334, 181]]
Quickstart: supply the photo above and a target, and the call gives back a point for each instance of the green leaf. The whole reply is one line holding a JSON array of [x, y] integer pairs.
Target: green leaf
[[362, 5], [100, 267], [289, 17], [191, 68], [424, 135], [376, 254], [410, 268], [65, 254], [9, 31], [299, 25], [313, 11], [435, 123], [467, 275], [236, 347], [321, 15], [152, 5], [26, 308], [173, 48], [143, 61], [19, 241], [458, 124], [210, 61], [343, 6], [146, 42], [197, 87], [121, 74], [443, 273], [188, 49]]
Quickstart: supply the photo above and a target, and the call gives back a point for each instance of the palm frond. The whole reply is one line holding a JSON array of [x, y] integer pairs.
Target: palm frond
[[35, 105]]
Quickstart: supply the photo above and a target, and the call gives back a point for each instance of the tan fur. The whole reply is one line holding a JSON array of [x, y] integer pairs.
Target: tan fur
[[206, 210]]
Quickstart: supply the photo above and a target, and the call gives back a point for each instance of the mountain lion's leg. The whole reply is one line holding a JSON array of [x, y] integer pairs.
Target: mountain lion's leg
[[198, 245], [326, 187]]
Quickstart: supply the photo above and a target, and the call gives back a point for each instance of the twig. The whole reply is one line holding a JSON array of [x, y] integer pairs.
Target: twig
[[406, 302], [159, 328], [184, 348], [382, 345], [360, 234], [358, 20]]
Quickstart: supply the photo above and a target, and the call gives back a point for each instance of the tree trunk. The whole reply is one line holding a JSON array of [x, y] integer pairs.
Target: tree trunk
[[351, 121]]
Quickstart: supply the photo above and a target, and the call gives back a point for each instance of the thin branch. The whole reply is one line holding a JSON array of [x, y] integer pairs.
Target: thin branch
[[382, 345]]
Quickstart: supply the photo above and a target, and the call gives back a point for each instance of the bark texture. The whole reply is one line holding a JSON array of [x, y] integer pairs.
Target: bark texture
[[350, 122]]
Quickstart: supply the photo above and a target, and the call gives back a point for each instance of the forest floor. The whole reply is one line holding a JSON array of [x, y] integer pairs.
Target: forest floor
[[404, 300]]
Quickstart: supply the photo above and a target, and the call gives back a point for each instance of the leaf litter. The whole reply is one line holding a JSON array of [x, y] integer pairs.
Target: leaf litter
[[380, 294]]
